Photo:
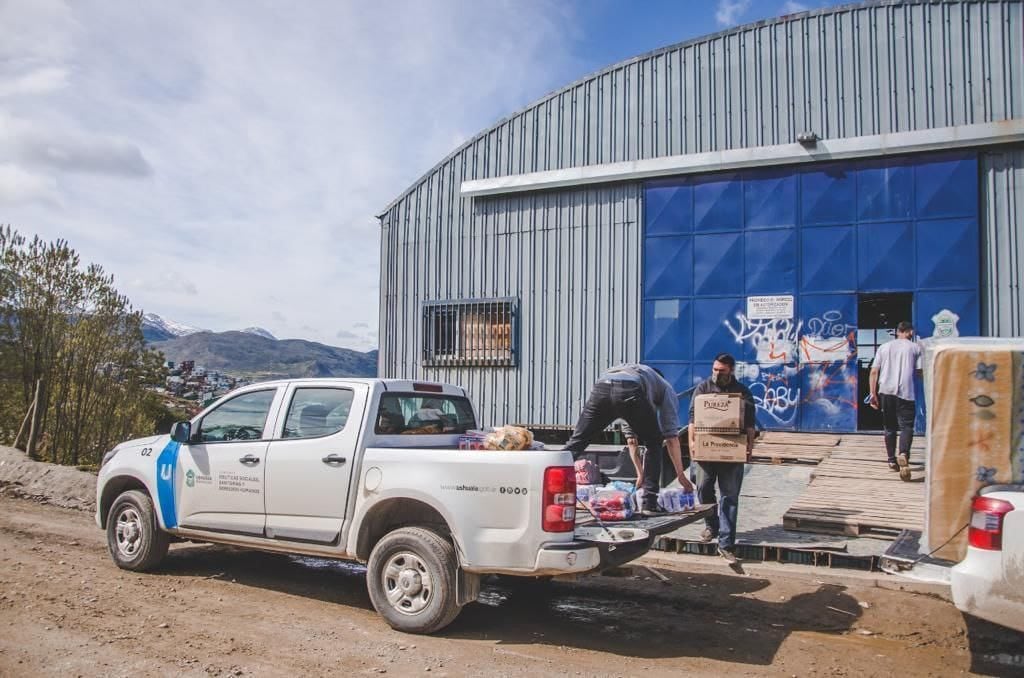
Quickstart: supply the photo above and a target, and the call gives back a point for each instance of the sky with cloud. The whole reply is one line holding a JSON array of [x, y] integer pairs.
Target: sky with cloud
[[226, 160]]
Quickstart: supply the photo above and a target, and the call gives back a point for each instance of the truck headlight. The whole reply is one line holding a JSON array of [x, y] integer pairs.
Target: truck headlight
[[107, 457]]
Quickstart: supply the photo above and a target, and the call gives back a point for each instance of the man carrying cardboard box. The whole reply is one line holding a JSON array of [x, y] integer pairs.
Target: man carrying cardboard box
[[720, 443]]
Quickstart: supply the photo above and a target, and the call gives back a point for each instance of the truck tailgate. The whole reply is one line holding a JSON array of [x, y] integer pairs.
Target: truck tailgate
[[622, 541]]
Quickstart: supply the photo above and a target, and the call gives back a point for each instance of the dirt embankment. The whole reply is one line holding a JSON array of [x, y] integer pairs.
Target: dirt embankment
[[62, 486]]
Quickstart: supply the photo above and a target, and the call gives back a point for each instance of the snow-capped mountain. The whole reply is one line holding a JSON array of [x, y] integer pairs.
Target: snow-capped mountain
[[260, 332], [156, 328]]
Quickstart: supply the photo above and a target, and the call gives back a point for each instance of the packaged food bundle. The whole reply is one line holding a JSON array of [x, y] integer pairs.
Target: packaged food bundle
[[614, 500], [473, 439], [587, 472], [610, 515], [675, 499], [585, 493], [509, 438]]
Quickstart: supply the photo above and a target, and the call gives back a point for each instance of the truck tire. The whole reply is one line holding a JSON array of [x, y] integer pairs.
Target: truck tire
[[134, 537], [411, 579]]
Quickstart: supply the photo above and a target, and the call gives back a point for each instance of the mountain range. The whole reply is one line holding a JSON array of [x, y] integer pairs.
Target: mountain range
[[254, 352]]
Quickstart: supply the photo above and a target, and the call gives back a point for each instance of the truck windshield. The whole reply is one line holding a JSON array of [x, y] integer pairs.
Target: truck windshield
[[418, 414]]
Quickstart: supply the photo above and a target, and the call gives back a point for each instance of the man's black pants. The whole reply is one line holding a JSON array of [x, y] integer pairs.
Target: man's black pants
[[898, 420], [609, 400]]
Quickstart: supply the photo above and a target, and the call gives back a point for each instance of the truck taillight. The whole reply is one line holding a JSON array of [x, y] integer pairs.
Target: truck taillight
[[986, 530], [559, 508]]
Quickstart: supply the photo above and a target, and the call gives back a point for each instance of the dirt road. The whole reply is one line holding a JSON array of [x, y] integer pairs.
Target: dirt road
[[65, 609]]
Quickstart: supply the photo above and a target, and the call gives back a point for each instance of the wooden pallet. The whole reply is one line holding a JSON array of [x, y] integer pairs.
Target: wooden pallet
[[867, 470], [780, 454], [857, 505], [791, 438]]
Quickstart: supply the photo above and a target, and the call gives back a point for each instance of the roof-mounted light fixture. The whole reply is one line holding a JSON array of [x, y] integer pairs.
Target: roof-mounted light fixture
[[807, 139]]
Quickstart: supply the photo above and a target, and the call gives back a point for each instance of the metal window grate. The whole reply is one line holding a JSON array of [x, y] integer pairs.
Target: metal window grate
[[480, 332]]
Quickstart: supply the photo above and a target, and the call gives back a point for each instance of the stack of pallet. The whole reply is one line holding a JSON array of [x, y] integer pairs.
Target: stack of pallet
[[854, 492]]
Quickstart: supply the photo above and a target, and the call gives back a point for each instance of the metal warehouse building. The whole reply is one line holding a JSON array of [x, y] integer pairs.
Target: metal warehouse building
[[787, 191]]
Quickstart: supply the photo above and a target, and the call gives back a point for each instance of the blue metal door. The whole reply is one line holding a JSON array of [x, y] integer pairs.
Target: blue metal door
[[820, 234]]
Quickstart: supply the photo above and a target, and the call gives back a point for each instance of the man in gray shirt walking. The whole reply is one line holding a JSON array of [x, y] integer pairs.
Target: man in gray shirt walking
[[892, 390]]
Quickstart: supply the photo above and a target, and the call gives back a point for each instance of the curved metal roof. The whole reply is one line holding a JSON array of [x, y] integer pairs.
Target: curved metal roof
[[836, 35]]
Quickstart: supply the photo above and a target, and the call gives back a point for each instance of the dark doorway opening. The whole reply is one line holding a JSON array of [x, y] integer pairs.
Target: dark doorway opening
[[877, 317]]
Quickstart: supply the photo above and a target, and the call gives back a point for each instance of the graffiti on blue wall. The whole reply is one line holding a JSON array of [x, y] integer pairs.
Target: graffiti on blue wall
[[799, 368]]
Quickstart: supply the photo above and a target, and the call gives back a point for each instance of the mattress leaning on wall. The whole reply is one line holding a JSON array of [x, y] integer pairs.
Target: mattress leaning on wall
[[974, 391]]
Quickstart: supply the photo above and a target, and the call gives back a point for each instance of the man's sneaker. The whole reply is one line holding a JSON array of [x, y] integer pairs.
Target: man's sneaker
[[904, 464], [707, 536], [893, 466], [727, 555], [654, 510]]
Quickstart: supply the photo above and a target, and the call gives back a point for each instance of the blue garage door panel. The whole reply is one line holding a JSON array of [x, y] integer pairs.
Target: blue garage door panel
[[827, 196], [822, 234], [828, 259], [829, 396], [717, 203], [946, 186], [769, 199], [718, 264], [885, 191], [667, 324], [776, 391], [828, 367], [930, 319], [668, 210], [714, 323], [771, 261], [885, 259], [668, 266], [947, 253]]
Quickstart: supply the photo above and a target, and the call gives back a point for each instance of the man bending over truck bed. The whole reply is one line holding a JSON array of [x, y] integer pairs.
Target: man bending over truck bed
[[641, 396]]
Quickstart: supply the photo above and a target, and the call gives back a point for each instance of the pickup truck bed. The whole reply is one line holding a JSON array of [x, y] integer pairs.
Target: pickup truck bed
[[622, 541]]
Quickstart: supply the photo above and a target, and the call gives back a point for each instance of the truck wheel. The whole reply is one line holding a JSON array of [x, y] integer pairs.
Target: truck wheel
[[411, 579], [134, 538]]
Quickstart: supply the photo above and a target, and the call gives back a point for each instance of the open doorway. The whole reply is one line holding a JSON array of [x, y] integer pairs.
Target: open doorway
[[877, 317]]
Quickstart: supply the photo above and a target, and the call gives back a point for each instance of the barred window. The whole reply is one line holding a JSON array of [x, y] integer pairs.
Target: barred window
[[479, 332]]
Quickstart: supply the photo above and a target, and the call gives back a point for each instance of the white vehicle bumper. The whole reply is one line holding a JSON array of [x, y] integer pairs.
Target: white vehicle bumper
[[568, 558], [976, 592]]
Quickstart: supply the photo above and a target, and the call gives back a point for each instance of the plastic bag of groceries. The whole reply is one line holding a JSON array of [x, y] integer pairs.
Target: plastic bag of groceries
[[587, 472], [473, 439], [509, 438]]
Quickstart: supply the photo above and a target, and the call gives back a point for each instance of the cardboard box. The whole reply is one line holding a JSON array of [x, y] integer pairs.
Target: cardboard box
[[719, 447], [718, 412]]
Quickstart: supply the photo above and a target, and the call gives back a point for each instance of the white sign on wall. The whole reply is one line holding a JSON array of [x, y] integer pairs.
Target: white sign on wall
[[773, 307]]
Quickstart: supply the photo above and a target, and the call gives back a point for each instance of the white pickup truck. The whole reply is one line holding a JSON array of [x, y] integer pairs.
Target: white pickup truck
[[989, 581], [365, 470]]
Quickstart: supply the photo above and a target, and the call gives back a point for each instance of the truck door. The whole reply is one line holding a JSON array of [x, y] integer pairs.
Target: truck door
[[309, 463], [223, 466]]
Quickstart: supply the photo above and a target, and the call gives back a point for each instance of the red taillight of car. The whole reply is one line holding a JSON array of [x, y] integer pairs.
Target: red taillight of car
[[559, 507], [986, 529]]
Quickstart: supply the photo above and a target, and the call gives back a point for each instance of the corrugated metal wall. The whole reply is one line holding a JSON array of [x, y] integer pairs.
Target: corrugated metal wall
[[1002, 215], [848, 71], [571, 258]]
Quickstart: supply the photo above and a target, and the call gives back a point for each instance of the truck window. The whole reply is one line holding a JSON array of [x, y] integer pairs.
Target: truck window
[[417, 414], [316, 412], [241, 418]]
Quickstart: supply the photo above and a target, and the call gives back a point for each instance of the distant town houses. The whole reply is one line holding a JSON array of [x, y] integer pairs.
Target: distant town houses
[[189, 381]]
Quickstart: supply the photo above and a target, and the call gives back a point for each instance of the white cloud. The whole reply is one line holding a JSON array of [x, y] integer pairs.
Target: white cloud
[[793, 7], [18, 185], [728, 12], [226, 162], [37, 81]]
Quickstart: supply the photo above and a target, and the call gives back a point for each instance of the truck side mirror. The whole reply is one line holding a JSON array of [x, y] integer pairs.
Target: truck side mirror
[[181, 432]]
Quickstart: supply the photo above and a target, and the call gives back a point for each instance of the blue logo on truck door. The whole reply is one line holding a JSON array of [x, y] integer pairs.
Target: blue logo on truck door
[[166, 464]]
